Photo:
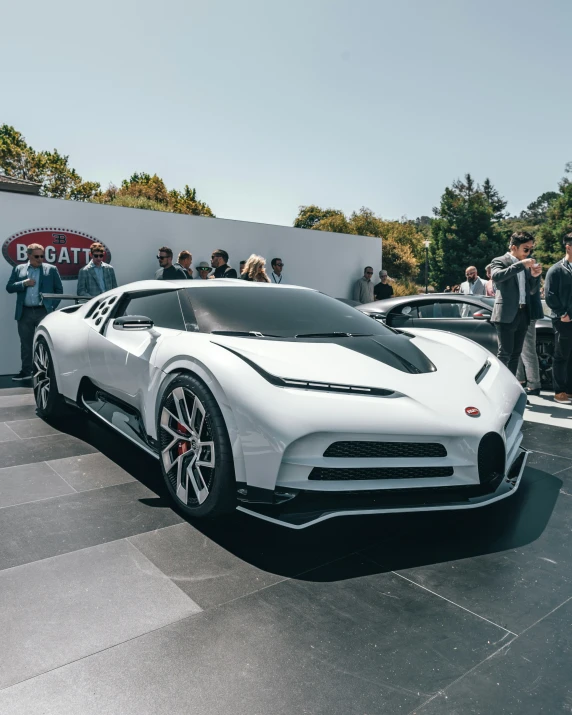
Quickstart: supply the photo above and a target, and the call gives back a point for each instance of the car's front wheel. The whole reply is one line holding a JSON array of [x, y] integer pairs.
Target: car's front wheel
[[195, 451], [49, 402]]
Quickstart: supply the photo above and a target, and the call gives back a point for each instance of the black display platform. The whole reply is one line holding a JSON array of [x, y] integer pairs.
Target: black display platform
[[112, 603]]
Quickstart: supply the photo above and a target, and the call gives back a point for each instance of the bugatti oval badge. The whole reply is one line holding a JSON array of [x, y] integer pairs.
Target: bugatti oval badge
[[472, 411], [67, 249]]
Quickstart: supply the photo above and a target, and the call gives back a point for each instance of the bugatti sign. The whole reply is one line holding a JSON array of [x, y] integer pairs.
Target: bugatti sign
[[68, 250]]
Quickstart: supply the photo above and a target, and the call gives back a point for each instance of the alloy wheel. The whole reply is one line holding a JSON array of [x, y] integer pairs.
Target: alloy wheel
[[187, 446], [41, 376]]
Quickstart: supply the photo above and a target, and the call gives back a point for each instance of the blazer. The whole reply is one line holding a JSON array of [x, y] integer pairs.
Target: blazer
[[479, 289], [87, 282], [558, 290], [50, 282], [507, 298]]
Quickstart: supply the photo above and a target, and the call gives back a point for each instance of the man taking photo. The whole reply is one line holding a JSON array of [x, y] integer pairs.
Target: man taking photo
[[517, 278]]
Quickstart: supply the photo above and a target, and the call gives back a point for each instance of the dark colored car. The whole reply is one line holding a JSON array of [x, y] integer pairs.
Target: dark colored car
[[463, 314]]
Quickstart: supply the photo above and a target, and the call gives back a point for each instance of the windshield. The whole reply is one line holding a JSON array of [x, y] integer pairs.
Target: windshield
[[262, 310]]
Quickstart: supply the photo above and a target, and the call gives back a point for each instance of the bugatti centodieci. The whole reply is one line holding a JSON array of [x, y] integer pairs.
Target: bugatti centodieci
[[285, 403]]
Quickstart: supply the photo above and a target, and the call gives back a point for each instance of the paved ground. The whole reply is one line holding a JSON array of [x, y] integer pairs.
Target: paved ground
[[111, 603]]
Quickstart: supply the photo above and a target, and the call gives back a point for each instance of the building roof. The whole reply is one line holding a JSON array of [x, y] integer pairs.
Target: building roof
[[21, 186]]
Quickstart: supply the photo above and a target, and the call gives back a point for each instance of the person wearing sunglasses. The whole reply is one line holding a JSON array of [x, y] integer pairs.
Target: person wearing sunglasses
[[203, 269], [277, 267], [517, 279], [96, 277], [167, 271], [219, 261], [474, 285], [29, 281], [363, 289]]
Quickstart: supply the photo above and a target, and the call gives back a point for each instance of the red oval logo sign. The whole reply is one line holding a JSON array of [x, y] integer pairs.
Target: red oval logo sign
[[472, 411], [68, 250]]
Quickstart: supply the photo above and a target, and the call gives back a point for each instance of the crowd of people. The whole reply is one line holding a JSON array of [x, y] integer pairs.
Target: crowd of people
[[513, 279], [252, 269]]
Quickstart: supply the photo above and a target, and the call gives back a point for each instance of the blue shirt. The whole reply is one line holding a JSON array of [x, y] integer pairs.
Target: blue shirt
[[98, 270], [32, 295]]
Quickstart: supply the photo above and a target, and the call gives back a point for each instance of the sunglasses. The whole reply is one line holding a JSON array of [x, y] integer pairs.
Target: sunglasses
[[38, 255], [369, 273], [162, 258], [204, 269], [528, 250], [98, 255], [280, 265]]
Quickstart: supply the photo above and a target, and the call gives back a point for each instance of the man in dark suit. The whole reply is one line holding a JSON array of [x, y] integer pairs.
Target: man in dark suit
[[29, 280], [517, 278], [558, 291]]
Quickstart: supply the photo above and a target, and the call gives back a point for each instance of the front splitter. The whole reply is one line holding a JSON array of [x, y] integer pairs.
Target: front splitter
[[308, 509]]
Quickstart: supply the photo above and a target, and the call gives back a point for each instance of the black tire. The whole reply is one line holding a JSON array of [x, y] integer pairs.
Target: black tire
[[49, 402], [195, 452], [545, 352]]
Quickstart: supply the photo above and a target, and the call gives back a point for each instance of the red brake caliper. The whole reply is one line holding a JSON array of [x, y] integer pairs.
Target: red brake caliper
[[182, 447]]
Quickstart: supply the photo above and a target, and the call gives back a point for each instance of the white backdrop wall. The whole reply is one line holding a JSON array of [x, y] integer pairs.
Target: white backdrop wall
[[329, 262]]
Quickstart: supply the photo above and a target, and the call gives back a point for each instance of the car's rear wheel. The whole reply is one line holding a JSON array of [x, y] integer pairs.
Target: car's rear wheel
[[49, 402], [545, 352], [196, 457]]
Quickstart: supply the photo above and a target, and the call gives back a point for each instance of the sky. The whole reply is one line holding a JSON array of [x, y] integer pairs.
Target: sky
[[264, 106]]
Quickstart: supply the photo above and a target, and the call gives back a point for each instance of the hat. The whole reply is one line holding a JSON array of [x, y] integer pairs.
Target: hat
[[202, 265], [383, 273]]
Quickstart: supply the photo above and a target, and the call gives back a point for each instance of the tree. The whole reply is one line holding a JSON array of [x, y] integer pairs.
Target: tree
[[48, 168], [310, 216], [495, 200], [146, 191], [558, 223], [398, 259], [536, 212], [465, 231], [402, 242]]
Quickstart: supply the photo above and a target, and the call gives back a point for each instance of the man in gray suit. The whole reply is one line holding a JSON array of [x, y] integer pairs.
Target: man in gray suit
[[517, 278], [473, 285], [29, 280], [96, 277]]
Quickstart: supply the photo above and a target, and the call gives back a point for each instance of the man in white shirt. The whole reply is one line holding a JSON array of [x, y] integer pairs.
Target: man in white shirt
[[277, 268], [473, 285]]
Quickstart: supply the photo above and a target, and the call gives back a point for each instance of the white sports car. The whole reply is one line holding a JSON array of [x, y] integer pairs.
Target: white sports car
[[285, 403]]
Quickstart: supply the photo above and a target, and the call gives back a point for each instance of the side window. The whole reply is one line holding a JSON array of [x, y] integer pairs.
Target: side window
[[163, 309], [401, 315], [440, 309]]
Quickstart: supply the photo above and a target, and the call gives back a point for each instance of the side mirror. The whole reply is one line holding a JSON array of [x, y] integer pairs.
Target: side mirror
[[132, 322], [479, 315]]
